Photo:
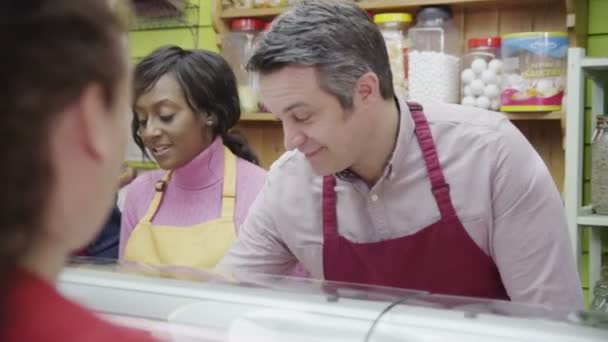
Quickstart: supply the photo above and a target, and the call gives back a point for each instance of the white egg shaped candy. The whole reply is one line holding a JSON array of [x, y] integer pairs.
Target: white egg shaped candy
[[495, 104], [479, 65], [477, 87], [491, 91], [467, 76], [482, 102], [468, 101], [489, 77], [466, 91], [495, 65]]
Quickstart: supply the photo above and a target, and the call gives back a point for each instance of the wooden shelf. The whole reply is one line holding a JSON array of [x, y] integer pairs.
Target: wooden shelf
[[534, 116], [511, 116], [376, 5], [258, 117]]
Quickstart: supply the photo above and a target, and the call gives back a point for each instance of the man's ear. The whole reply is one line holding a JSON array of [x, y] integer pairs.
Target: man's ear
[[367, 87], [90, 112]]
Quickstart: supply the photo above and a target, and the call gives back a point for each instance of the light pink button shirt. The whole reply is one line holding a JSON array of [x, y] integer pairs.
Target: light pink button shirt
[[500, 187]]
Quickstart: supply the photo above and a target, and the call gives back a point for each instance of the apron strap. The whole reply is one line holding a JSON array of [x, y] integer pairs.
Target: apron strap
[[330, 224], [161, 186], [439, 187], [229, 191]]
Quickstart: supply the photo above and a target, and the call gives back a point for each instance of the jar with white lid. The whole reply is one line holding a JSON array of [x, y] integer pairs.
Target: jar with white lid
[[481, 76]]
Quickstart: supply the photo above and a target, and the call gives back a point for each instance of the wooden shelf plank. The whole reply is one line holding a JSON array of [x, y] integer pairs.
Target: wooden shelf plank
[[258, 117], [377, 5], [232, 13], [534, 116], [511, 116]]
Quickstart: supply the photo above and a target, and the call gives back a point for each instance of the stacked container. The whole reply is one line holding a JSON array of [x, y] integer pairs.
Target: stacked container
[[482, 74], [393, 27], [534, 67], [434, 58], [237, 47]]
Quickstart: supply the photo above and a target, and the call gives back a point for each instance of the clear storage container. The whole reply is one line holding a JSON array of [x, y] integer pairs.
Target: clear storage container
[[599, 166], [600, 293], [393, 27], [434, 56], [482, 73], [237, 47], [534, 67]]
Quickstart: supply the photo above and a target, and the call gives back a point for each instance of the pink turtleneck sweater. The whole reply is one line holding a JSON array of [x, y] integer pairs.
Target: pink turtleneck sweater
[[194, 193]]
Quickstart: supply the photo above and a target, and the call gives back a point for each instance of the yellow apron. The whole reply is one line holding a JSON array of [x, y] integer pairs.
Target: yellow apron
[[200, 246]]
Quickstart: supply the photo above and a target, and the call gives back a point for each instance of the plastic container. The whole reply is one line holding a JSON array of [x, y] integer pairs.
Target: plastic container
[[481, 74], [237, 47], [599, 166], [270, 3], [534, 67], [393, 27], [261, 107], [600, 293], [434, 57]]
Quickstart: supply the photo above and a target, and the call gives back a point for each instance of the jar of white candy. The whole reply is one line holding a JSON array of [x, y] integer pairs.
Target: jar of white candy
[[434, 56], [482, 73], [393, 27]]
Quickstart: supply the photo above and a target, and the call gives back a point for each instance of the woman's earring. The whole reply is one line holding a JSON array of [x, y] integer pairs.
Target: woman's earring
[[209, 123]]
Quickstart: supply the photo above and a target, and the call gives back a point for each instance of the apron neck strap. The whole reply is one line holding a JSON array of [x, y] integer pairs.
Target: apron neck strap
[[439, 186], [229, 190], [328, 207]]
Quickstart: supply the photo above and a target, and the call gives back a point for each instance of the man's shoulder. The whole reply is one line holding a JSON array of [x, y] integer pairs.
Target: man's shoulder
[[464, 116], [465, 125], [290, 161], [290, 170]]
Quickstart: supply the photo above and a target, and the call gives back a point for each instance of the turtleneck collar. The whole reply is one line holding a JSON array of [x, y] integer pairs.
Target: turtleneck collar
[[205, 170]]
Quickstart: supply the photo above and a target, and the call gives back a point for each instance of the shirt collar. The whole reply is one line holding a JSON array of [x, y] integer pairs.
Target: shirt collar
[[404, 138], [205, 170]]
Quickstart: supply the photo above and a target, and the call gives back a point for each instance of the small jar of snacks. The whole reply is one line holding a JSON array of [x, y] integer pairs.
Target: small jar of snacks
[[237, 46], [482, 73], [599, 166], [393, 27]]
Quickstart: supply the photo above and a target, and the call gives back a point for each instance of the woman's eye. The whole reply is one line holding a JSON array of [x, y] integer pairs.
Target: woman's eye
[[167, 118], [142, 122]]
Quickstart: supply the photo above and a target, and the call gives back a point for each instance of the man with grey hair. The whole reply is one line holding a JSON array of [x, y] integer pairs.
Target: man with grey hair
[[380, 191]]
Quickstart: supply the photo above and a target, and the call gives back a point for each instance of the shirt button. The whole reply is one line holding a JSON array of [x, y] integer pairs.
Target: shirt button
[[374, 197]]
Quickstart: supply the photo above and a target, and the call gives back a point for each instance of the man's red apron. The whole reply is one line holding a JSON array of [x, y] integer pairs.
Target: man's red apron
[[441, 258]]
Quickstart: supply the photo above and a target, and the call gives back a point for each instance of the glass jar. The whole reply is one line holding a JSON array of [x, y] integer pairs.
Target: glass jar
[[393, 27], [600, 293], [261, 107], [481, 74], [599, 166], [237, 46], [434, 56]]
